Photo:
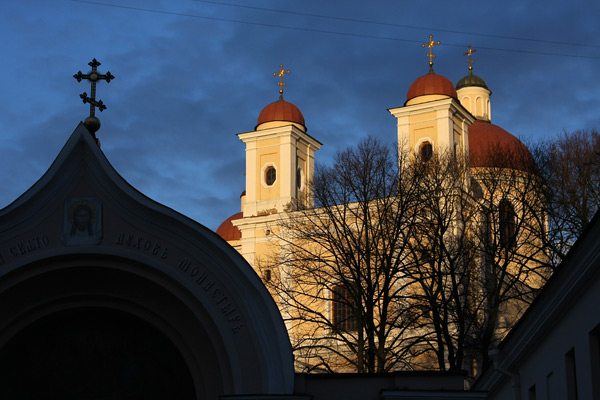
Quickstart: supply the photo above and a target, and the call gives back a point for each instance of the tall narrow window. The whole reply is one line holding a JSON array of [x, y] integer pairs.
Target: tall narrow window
[[270, 175], [344, 310], [595, 361], [426, 151], [508, 224], [532, 394], [550, 385], [571, 375], [299, 179], [267, 275]]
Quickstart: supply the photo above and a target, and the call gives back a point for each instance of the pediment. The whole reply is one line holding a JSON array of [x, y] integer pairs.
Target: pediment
[[83, 212], [81, 179]]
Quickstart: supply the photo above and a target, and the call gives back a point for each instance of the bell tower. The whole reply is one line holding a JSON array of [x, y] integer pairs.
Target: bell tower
[[432, 120], [280, 158]]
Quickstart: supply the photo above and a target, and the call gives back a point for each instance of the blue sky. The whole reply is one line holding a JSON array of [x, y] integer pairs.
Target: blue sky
[[192, 74]]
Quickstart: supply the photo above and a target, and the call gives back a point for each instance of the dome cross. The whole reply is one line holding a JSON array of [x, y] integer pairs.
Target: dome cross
[[93, 77], [470, 61], [431, 56], [281, 84]]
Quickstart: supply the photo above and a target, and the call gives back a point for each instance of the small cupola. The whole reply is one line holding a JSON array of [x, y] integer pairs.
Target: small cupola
[[473, 93]]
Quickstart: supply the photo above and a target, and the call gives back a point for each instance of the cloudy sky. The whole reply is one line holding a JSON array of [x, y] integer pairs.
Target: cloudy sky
[[192, 74]]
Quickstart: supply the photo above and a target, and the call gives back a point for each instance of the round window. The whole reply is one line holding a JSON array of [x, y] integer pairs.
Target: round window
[[270, 175]]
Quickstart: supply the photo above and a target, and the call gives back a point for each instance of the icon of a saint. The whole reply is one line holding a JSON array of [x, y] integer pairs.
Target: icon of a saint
[[82, 222]]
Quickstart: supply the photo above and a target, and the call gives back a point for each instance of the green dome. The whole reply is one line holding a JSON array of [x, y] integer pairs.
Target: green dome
[[471, 80]]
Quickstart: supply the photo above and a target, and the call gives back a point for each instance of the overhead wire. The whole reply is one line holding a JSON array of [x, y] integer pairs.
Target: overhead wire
[[359, 35], [396, 25]]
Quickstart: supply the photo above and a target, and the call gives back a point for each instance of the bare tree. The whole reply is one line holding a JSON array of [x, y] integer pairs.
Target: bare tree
[[443, 274], [404, 263], [479, 255], [513, 255], [570, 166], [341, 264]]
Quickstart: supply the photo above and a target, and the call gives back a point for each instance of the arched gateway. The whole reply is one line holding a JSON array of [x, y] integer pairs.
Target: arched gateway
[[106, 294]]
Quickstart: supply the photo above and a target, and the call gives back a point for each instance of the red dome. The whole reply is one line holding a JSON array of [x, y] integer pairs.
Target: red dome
[[229, 232], [431, 84], [281, 110], [492, 146]]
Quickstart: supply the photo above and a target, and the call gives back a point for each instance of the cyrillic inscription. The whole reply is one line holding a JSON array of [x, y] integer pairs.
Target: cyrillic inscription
[[28, 246], [217, 295], [140, 243]]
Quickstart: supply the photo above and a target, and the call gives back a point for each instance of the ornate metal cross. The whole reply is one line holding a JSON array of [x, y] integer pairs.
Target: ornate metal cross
[[281, 84], [469, 53], [93, 77], [431, 55]]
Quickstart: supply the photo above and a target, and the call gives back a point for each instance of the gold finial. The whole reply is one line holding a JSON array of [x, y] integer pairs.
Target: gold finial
[[431, 55], [469, 53], [281, 83]]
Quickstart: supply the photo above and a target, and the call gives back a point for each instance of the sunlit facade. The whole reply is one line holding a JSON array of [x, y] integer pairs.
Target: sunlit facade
[[437, 118]]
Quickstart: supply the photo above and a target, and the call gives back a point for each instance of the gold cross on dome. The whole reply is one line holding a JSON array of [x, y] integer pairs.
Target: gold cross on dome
[[469, 53], [93, 77], [431, 55], [281, 84]]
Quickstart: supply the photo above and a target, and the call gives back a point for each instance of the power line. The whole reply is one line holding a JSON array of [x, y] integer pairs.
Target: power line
[[242, 22], [320, 30], [397, 25]]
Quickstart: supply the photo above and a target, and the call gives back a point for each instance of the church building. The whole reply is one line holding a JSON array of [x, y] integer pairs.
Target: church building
[[280, 154], [437, 118], [107, 294]]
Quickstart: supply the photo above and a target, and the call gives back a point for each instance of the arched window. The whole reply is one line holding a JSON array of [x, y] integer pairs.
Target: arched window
[[343, 310], [479, 106], [426, 258], [508, 224], [466, 102], [270, 175], [426, 151], [476, 189], [299, 179], [267, 275]]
